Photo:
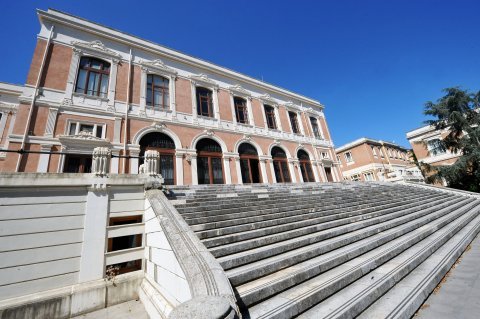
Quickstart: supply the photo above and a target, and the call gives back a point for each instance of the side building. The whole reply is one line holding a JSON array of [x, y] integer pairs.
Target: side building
[[427, 146], [375, 160], [91, 86]]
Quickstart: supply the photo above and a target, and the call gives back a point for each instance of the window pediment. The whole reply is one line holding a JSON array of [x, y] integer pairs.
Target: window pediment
[[203, 80], [158, 66], [238, 90], [267, 99], [96, 47]]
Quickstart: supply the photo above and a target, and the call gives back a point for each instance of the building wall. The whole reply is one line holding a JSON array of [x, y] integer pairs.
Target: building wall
[[58, 104]]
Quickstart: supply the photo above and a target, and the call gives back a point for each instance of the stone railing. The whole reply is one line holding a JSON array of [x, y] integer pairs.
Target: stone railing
[[200, 288]]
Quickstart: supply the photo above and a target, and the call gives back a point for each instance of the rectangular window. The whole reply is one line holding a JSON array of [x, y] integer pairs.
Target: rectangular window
[[294, 122], [270, 116], [325, 155], [356, 178], [374, 151], [241, 111], [76, 128], [368, 176], [435, 147], [348, 157], [93, 77], [204, 102], [315, 128], [158, 92]]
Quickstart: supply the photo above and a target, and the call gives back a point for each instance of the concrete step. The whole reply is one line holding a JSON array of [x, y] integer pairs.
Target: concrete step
[[302, 297], [240, 229], [298, 273], [408, 277], [290, 207], [291, 210], [255, 249]]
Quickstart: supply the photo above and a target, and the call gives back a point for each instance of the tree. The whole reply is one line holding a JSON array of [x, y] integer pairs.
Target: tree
[[458, 112]]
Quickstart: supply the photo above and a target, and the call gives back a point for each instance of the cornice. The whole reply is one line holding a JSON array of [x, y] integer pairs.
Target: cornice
[[239, 90], [203, 79]]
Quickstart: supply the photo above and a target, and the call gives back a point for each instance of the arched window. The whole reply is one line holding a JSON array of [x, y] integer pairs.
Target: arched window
[[270, 116], [158, 95], [209, 162], [166, 147], [241, 111], [204, 102], [93, 76], [305, 166], [280, 165], [249, 164]]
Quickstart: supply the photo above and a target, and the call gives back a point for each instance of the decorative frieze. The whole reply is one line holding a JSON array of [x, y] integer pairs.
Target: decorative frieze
[[101, 160]]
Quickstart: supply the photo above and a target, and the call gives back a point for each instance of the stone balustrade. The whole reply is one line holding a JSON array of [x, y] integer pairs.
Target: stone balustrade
[[101, 160]]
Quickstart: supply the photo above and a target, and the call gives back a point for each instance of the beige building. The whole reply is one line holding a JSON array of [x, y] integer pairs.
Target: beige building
[[426, 145], [375, 160], [91, 86]]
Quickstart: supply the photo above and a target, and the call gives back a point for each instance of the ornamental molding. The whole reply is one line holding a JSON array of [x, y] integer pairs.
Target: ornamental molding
[[203, 79], [247, 137], [238, 90], [159, 126], [8, 107], [157, 66], [267, 99], [82, 139], [96, 47], [209, 132]]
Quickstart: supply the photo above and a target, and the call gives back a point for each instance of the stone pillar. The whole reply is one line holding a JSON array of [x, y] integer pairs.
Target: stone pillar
[[101, 160], [239, 170], [179, 168], [151, 164], [272, 170], [315, 172], [226, 166], [134, 161], [92, 261], [263, 168], [51, 120], [299, 170], [292, 171], [193, 163]]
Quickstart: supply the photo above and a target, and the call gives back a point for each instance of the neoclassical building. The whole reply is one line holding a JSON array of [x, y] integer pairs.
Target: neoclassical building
[[91, 86]]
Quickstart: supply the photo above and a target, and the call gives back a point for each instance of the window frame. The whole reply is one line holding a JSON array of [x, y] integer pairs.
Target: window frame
[[317, 133], [209, 100], [270, 115], [237, 107], [163, 89], [347, 160], [294, 124], [432, 150], [78, 123], [89, 70]]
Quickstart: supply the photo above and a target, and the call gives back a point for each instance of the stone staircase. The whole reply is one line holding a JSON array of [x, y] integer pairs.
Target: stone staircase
[[330, 250]]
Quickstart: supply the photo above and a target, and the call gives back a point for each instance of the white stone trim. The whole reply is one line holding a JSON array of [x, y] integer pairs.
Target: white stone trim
[[51, 121]]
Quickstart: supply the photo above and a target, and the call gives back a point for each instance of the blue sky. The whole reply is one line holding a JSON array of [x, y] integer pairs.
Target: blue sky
[[372, 63]]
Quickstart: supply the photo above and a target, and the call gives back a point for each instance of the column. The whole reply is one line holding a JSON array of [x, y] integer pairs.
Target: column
[[92, 261], [292, 171], [179, 168], [322, 172], [117, 129], [152, 163], [112, 84], [114, 163], [250, 111], [193, 163], [272, 170], [239, 170], [315, 171], [134, 161], [215, 104], [263, 168], [44, 159], [299, 170], [173, 103], [194, 102], [300, 123], [72, 74], [143, 89], [232, 107], [277, 118], [228, 174]]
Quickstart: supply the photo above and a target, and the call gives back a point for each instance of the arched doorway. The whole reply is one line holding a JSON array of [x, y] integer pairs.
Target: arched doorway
[[166, 147], [280, 165], [305, 166], [209, 162], [249, 164]]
